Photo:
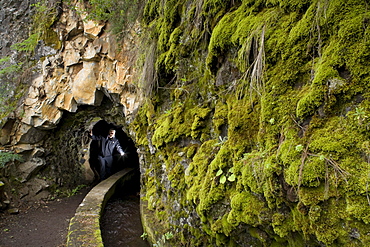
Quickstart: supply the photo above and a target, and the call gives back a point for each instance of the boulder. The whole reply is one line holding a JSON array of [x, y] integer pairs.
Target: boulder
[[90, 52], [30, 168], [6, 131], [31, 135], [84, 84], [93, 29], [71, 55], [65, 101]]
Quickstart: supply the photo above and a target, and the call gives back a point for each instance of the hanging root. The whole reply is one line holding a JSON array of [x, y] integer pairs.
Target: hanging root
[[329, 162], [149, 80], [256, 77], [252, 53]]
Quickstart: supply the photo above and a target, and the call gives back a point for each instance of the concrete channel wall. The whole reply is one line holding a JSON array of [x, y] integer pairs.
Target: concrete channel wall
[[84, 227]]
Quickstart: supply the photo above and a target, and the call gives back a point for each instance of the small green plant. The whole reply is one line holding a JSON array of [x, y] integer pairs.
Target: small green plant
[[299, 148], [360, 116], [168, 235], [8, 67], [162, 241], [230, 176], [27, 45], [221, 140], [144, 236], [6, 157], [74, 191]]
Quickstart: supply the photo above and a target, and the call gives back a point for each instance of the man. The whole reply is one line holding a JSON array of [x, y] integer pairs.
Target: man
[[108, 144]]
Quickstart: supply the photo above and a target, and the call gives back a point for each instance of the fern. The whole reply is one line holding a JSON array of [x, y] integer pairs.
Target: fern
[[6, 157], [27, 45]]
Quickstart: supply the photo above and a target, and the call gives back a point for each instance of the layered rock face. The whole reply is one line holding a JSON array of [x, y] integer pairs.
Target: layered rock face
[[89, 66]]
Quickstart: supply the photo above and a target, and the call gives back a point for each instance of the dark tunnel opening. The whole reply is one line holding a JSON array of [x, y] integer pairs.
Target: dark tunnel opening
[[129, 160], [121, 221]]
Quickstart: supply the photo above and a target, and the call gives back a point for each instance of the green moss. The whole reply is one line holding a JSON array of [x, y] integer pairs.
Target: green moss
[[199, 122], [191, 150], [245, 208], [220, 117], [176, 177], [210, 193], [312, 196], [197, 169], [297, 146], [141, 122], [243, 125], [315, 97], [328, 228], [358, 207], [51, 39], [252, 171], [172, 54]]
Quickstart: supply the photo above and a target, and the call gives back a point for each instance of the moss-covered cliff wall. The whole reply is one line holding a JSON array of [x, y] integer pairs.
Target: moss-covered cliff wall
[[256, 131]]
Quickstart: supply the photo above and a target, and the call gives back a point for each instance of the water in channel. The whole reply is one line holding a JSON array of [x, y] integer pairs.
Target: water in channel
[[121, 222]]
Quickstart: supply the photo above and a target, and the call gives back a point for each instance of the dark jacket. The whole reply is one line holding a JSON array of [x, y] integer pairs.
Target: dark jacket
[[108, 145]]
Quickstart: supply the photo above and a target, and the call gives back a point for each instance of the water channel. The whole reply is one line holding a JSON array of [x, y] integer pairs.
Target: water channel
[[121, 222]]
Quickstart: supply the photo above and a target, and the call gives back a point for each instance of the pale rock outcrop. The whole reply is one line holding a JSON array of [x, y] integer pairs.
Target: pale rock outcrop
[[90, 52], [65, 101], [86, 66], [20, 148], [83, 86], [91, 28], [71, 55], [70, 24]]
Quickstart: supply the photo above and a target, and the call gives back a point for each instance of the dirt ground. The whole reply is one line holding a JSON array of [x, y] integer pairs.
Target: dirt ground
[[42, 224]]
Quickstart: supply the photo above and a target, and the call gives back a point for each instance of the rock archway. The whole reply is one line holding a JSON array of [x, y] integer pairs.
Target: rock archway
[[61, 159]]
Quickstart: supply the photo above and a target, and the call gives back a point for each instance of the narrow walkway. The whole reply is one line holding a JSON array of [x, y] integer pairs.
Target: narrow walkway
[[42, 223], [84, 227]]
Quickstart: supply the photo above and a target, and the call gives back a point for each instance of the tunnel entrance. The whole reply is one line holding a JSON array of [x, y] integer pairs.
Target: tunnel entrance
[[130, 159], [120, 222]]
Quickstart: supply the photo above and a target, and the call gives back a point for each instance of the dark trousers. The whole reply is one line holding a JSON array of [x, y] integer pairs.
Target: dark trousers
[[106, 164]]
